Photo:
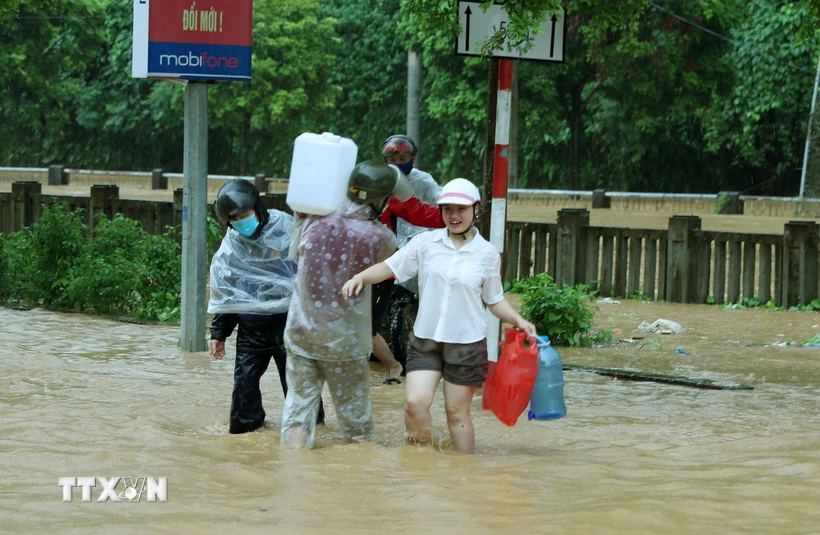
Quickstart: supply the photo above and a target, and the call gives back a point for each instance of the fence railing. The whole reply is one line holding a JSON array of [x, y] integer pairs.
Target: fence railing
[[158, 179], [679, 264], [23, 206]]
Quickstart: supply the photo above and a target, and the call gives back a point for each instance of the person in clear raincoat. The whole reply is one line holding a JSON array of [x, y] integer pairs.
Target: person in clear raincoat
[[252, 280], [328, 339]]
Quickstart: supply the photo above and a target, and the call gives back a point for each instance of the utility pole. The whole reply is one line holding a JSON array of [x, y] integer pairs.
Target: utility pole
[[808, 143], [414, 76], [513, 167], [194, 218]]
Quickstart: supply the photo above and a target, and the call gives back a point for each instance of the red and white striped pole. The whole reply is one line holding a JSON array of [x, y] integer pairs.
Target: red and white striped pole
[[498, 215]]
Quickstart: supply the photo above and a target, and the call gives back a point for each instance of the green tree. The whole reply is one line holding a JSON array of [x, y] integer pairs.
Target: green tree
[[47, 54], [69, 97], [371, 70], [8, 8], [636, 103], [675, 96], [759, 124], [457, 97], [634, 93], [253, 126], [813, 23], [123, 122]]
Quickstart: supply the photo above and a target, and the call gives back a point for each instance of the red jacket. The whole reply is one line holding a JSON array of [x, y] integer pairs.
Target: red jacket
[[414, 212]]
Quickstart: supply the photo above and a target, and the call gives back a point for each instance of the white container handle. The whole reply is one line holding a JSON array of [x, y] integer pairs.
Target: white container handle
[[331, 137]]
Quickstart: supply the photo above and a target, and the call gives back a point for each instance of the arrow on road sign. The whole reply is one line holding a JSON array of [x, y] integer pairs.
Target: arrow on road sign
[[468, 13]]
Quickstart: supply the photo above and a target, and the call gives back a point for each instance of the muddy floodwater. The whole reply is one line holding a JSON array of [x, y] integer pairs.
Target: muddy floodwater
[[82, 396]]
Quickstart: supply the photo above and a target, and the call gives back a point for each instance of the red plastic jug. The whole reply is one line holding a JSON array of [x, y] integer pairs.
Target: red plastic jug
[[508, 387]]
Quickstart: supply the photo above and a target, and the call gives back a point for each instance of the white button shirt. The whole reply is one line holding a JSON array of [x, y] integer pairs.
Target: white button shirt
[[454, 285]]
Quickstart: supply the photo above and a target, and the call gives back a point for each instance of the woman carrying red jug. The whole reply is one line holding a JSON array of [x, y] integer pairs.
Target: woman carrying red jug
[[459, 273]]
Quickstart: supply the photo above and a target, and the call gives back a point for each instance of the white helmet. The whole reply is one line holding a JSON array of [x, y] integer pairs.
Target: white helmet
[[459, 191]]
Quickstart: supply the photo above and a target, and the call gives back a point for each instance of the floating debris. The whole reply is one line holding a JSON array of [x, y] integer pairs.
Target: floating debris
[[659, 378]]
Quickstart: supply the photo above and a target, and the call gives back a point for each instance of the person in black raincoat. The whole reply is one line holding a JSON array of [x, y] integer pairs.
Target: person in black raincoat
[[252, 280]]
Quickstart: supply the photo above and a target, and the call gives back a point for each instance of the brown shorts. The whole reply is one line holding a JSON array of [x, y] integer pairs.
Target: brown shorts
[[460, 364]]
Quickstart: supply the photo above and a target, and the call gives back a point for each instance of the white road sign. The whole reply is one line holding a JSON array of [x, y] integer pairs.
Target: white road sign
[[478, 26]]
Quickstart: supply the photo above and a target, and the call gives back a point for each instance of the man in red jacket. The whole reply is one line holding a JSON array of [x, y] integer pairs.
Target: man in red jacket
[[416, 213]]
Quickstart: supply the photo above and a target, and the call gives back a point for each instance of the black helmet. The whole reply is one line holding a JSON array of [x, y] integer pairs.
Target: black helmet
[[399, 143], [374, 180], [237, 197]]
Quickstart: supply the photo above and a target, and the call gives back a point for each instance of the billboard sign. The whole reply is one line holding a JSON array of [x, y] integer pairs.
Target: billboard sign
[[196, 40]]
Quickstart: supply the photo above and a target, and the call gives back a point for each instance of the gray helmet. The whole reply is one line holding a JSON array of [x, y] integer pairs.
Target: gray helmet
[[237, 197], [374, 180]]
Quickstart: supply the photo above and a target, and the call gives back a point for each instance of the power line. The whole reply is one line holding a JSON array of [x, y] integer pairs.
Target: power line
[[729, 39]]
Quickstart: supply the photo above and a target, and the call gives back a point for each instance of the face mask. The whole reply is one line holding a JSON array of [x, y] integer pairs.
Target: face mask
[[246, 226], [405, 167]]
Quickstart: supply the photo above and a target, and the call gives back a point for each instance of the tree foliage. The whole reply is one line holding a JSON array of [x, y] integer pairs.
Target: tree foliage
[[813, 24], [371, 70], [695, 96], [759, 123], [291, 91]]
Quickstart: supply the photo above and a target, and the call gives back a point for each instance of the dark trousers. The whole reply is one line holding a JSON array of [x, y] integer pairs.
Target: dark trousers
[[251, 364]]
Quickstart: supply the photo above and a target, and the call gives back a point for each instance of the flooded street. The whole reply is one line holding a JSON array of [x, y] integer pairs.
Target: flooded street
[[85, 396]]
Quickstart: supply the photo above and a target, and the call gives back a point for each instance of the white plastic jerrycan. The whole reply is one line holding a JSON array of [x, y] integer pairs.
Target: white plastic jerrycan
[[319, 172]]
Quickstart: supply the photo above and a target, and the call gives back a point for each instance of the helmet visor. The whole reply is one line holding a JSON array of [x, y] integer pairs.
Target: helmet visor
[[404, 189], [397, 146], [457, 198]]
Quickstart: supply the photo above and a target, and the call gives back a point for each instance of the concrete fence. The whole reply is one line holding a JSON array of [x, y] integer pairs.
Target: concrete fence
[[58, 175], [681, 264], [682, 203]]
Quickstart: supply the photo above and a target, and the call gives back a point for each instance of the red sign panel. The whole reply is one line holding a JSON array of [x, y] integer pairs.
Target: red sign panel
[[193, 40]]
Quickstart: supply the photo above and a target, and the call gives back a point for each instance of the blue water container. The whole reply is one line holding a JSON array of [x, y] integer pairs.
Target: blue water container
[[547, 401]]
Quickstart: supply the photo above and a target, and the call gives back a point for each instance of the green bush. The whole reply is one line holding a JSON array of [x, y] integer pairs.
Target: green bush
[[129, 271], [38, 259], [121, 270], [564, 314]]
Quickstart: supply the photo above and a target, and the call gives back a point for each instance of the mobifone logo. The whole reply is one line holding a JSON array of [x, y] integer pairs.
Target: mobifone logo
[[116, 489]]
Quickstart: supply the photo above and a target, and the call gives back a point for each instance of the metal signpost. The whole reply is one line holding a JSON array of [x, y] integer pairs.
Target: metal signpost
[[193, 42], [548, 45]]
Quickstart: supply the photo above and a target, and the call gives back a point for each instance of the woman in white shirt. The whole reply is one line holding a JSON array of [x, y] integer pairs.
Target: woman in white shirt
[[459, 274]]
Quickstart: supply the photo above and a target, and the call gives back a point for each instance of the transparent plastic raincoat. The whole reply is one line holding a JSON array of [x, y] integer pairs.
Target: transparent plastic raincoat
[[331, 249], [254, 275]]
